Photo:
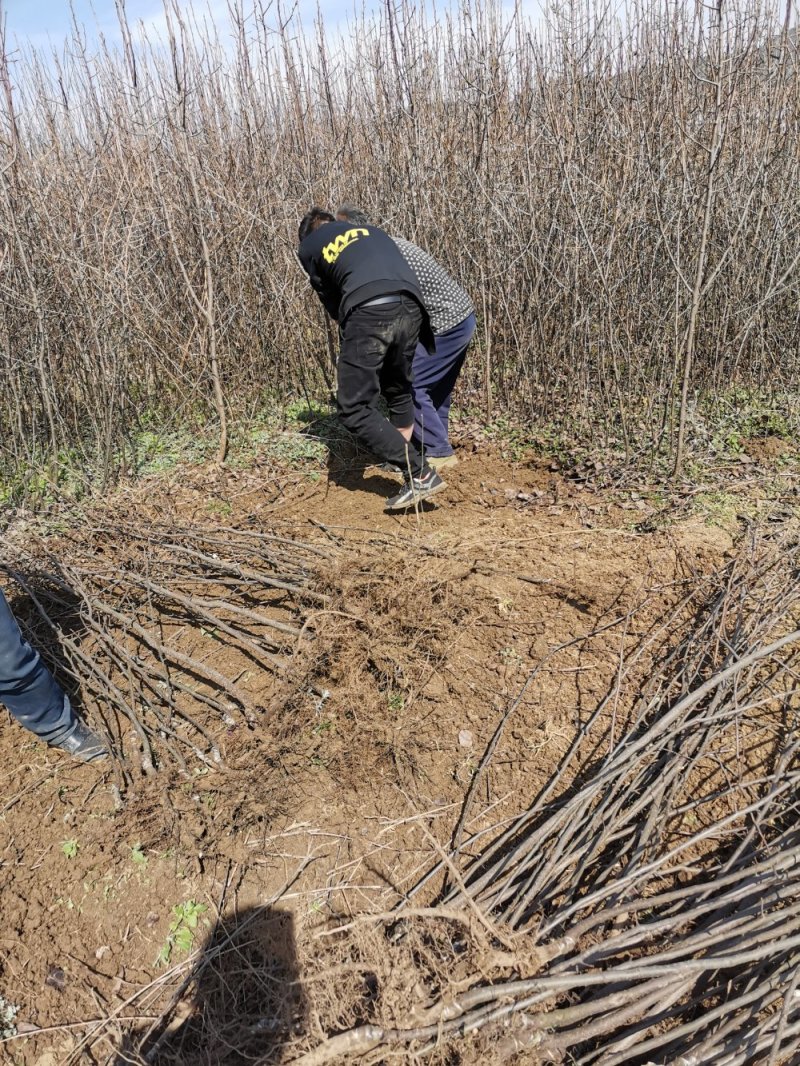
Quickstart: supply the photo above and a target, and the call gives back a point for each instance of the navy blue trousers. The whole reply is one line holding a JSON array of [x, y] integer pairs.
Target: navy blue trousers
[[27, 687], [434, 377]]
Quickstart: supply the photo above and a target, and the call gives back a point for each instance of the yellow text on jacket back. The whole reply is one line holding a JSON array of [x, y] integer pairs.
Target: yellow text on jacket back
[[332, 251]]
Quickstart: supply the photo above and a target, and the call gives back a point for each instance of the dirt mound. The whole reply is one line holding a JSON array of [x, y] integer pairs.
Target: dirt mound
[[355, 769]]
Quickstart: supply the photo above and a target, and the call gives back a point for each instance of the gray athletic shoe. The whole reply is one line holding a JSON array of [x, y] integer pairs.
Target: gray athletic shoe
[[415, 491], [83, 743]]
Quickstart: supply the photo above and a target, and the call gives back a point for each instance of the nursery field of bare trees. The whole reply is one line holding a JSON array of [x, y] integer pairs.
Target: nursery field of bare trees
[[618, 193], [513, 779]]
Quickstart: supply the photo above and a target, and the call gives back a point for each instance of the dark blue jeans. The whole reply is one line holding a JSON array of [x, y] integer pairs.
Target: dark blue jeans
[[27, 687], [434, 379]]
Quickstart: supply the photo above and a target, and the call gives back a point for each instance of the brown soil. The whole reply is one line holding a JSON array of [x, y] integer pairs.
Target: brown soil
[[768, 448], [356, 771]]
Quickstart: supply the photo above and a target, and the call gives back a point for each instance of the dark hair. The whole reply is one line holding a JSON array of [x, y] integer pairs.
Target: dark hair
[[312, 220], [353, 214]]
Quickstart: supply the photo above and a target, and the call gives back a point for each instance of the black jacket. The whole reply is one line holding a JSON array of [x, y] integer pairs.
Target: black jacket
[[349, 264]]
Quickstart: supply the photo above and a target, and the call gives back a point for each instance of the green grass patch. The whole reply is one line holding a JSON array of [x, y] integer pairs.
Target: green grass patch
[[740, 414], [724, 509]]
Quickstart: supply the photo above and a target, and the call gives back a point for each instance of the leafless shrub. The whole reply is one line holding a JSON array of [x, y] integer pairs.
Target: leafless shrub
[[617, 194]]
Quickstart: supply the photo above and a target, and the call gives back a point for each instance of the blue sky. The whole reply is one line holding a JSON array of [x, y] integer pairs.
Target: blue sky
[[36, 20], [46, 23], [42, 22]]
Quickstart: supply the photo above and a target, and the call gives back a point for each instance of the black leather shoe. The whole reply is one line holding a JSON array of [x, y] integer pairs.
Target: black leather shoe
[[82, 743]]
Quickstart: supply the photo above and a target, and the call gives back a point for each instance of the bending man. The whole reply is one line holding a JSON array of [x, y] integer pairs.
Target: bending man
[[366, 285], [31, 693], [433, 375]]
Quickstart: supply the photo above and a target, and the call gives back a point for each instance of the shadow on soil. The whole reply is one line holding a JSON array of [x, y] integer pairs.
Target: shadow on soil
[[242, 1002], [350, 465]]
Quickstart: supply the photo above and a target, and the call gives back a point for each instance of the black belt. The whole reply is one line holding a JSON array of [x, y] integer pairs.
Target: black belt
[[394, 299]]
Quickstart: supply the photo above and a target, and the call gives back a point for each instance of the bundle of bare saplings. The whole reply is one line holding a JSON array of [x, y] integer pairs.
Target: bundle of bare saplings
[[156, 625], [645, 911]]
